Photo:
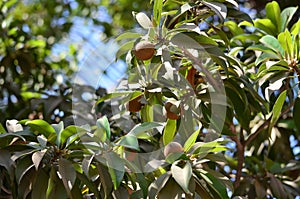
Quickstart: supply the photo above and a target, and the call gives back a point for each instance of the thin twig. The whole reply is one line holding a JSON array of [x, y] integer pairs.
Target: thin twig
[[240, 153]]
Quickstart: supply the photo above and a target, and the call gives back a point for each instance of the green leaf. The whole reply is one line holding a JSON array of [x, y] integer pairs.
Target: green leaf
[[276, 111], [116, 168], [158, 184], [192, 139], [2, 130], [234, 28], [295, 30], [219, 8], [58, 129], [139, 129], [286, 16], [105, 179], [129, 141], [29, 95], [296, 113], [24, 165], [266, 25], [273, 13], [285, 40], [44, 128], [182, 175], [192, 40], [272, 43], [37, 158], [128, 35], [169, 131], [237, 14], [125, 48], [170, 190], [55, 187], [214, 184], [67, 173], [76, 132], [40, 185], [103, 123], [157, 10], [118, 94]]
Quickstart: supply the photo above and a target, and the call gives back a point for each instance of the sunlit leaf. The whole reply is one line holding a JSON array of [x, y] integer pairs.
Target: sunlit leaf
[[191, 140], [273, 13], [128, 35], [276, 111], [44, 128], [182, 175], [169, 131], [273, 44], [129, 141], [157, 10], [104, 124], [286, 16]]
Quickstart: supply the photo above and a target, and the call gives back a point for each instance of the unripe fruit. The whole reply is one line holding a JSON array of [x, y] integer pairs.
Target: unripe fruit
[[144, 50], [135, 105], [172, 147], [172, 111]]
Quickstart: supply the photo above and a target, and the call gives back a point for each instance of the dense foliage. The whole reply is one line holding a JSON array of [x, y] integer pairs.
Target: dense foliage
[[209, 110]]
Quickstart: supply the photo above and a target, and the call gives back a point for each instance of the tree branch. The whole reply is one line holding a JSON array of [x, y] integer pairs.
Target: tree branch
[[240, 155]]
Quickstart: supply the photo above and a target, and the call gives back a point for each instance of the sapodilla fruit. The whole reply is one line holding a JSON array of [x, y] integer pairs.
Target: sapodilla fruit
[[172, 147], [144, 50], [134, 105], [172, 111]]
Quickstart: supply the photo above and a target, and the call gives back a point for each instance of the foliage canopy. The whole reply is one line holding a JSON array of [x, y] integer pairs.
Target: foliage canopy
[[223, 87]]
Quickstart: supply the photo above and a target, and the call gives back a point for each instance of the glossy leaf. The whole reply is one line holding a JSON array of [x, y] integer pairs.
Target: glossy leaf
[[182, 175], [157, 10], [158, 184], [129, 141], [104, 124], [285, 40], [191, 140], [286, 16], [273, 44], [68, 174], [169, 131], [143, 127], [276, 111], [170, 190], [37, 158], [58, 129], [40, 185], [219, 8], [266, 25], [55, 187], [215, 184], [273, 13], [44, 128], [116, 168], [128, 35]]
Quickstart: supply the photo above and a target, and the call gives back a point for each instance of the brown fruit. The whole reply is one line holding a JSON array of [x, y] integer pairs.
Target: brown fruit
[[135, 105], [172, 111], [172, 147], [144, 50]]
